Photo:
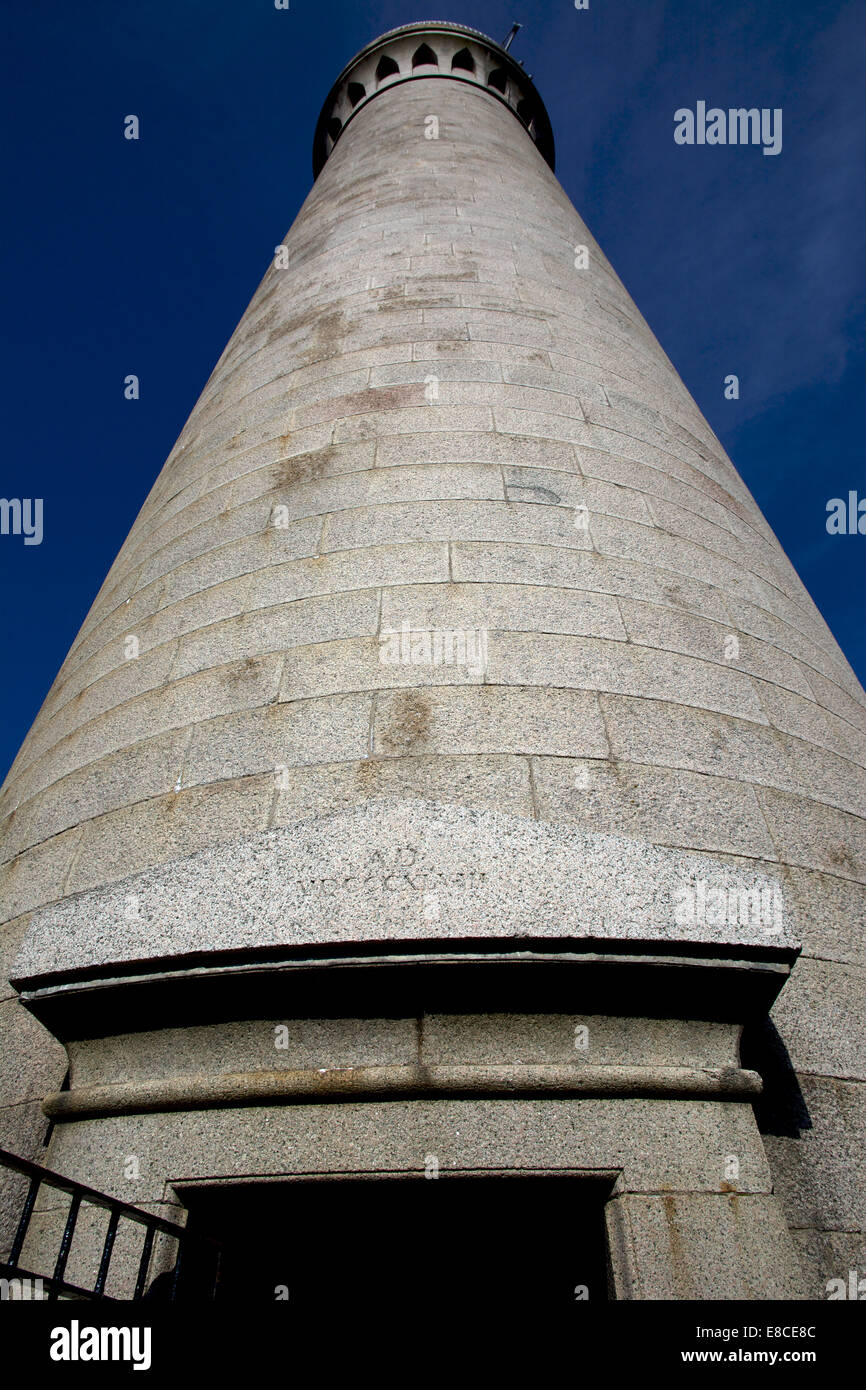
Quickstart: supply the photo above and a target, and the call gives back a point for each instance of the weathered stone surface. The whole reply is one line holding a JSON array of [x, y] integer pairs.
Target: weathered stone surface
[[22, 1040], [488, 719], [11, 936], [184, 821], [276, 629], [247, 1046], [497, 1039], [653, 1144], [835, 911], [675, 808], [278, 737], [293, 1043], [829, 1256], [23, 1129], [683, 1246], [478, 782], [821, 1019], [404, 870], [37, 875], [814, 836], [526, 608], [819, 1170], [96, 788]]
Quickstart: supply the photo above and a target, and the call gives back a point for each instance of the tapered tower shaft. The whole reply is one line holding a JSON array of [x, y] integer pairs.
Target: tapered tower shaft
[[449, 633]]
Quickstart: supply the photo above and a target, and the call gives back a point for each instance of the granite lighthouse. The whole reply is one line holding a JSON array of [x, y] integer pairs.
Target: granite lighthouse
[[449, 817]]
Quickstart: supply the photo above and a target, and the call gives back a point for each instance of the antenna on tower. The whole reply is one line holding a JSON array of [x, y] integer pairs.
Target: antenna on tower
[[512, 35]]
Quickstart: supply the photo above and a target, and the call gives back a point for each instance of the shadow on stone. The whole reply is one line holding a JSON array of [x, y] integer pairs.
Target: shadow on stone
[[781, 1109]]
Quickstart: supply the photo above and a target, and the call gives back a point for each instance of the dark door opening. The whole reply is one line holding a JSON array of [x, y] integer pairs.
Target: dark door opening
[[450, 1244]]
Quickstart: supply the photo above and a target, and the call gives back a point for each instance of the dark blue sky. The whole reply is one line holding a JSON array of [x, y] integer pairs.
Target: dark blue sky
[[141, 257]]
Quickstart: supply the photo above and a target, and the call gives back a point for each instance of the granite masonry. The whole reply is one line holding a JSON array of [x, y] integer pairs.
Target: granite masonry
[[452, 764]]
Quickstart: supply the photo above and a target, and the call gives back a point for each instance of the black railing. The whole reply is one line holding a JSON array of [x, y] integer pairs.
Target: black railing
[[196, 1268]]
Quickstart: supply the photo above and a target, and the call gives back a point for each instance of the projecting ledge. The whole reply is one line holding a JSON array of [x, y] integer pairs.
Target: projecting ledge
[[316, 1085], [626, 980]]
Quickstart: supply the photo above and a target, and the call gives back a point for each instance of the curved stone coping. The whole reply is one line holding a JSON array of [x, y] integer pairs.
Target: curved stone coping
[[394, 871], [359, 82], [312, 1086], [709, 984]]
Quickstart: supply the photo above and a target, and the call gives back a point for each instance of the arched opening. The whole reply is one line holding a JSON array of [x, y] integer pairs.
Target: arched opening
[[424, 57], [356, 92], [498, 79], [463, 61], [386, 68], [524, 111]]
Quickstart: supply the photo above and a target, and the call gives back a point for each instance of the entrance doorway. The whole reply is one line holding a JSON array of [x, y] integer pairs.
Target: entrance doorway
[[451, 1244]]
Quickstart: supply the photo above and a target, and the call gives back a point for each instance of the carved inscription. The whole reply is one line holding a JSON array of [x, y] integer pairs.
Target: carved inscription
[[394, 871]]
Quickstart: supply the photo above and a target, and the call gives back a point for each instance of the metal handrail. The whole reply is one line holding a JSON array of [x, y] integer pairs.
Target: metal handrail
[[80, 1194]]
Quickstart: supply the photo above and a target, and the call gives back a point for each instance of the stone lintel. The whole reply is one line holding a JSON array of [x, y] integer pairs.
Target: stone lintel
[[399, 876]]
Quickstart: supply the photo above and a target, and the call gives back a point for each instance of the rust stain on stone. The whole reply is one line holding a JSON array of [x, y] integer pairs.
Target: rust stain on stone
[[674, 594], [328, 331], [367, 774], [267, 321], [303, 468], [841, 857], [243, 670], [675, 1238], [383, 398], [284, 328], [393, 294], [408, 723]]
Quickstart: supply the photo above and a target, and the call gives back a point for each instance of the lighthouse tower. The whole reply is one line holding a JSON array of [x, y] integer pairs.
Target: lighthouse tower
[[449, 817]]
